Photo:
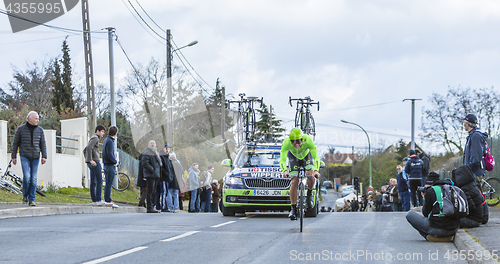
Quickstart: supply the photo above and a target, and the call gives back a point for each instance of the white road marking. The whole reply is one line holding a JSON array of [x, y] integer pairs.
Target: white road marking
[[180, 236], [117, 255], [226, 223], [243, 218]]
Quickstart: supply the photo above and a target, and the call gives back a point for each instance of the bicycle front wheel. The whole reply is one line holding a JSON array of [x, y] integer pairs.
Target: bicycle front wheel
[[123, 182], [301, 204], [490, 187]]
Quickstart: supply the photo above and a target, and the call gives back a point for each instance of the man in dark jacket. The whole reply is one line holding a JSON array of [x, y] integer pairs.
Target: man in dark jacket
[[402, 186], [109, 160], [94, 163], [465, 180], [475, 146], [151, 164], [432, 227], [164, 182], [142, 184], [413, 169], [30, 140], [427, 164]]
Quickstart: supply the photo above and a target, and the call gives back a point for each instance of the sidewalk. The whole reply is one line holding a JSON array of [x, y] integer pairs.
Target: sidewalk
[[484, 238], [23, 210]]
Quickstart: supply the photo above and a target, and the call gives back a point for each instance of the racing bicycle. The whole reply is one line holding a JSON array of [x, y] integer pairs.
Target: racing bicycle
[[245, 123], [489, 187], [303, 117], [302, 207]]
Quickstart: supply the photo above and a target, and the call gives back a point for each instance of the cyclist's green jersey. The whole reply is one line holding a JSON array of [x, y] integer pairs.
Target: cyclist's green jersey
[[306, 148]]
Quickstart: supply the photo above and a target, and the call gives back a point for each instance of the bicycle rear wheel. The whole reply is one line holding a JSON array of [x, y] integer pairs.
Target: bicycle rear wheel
[[123, 182], [490, 188]]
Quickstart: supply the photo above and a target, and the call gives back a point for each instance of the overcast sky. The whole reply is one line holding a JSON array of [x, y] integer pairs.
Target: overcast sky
[[345, 54]]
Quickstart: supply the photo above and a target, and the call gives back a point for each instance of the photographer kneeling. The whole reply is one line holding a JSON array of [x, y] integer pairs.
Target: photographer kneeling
[[433, 228]]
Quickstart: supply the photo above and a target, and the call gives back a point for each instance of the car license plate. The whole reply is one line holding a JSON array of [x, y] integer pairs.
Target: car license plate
[[267, 192]]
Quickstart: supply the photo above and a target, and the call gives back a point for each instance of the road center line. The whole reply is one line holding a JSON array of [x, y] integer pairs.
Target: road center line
[[223, 224], [180, 236], [117, 255]]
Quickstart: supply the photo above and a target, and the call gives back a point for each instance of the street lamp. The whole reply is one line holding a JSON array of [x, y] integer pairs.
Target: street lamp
[[170, 114], [369, 149]]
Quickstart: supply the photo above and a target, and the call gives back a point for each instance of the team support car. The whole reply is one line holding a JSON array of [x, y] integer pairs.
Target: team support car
[[255, 182]]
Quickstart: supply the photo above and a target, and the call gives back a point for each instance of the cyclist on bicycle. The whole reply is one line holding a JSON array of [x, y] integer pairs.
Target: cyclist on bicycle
[[301, 152]]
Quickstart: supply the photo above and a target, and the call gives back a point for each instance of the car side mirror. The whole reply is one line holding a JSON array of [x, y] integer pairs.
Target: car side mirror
[[321, 164], [226, 163]]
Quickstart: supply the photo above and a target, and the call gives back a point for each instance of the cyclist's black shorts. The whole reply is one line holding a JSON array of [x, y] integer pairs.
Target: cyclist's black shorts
[[307, 162]]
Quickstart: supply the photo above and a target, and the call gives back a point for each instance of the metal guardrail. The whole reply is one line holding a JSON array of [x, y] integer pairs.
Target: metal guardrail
[[57, 146]]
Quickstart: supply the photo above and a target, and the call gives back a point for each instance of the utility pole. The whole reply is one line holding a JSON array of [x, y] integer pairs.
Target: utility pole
[[89, 73], [352, 166], [170, 119], [222, 113], [111, 32], [412, 121]]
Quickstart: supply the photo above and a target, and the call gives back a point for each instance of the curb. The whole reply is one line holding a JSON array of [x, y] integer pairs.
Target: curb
[[65, 210], [465, 243]]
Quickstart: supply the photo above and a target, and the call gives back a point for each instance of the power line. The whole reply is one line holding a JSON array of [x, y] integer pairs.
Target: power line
[[35, 40], [149, 32], [357, 107], [191, 67], [181, 54], [67, 30], [149, 16], [145, 21]]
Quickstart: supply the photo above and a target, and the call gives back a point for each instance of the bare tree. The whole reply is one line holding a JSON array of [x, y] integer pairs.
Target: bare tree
[[32, 88], [443, 122]]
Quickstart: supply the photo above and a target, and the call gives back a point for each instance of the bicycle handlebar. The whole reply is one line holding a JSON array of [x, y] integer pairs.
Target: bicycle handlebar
[[303, 101]]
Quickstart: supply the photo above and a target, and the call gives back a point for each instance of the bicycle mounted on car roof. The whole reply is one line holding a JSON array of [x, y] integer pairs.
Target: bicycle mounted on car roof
[[303, 117], [245, 123]]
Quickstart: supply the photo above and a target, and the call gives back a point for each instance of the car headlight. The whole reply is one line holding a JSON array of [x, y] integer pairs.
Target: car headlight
[[235, 181]]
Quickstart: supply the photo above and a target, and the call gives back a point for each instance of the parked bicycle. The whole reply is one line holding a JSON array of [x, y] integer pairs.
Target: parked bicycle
[[245, 123], [489, 187], [123, 180], [12, 182], [303, 116]]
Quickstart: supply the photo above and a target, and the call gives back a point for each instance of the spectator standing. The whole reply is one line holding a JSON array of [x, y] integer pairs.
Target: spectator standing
[[165, 179], [206, 189], [173, 187], [179, 173], [109, 160], [431, 227], [215, 196], [30, 140], [414, 168], [475, 146], [142, 184], [151, 164], [93, 161], [194, 185], [427, 164], [393, 195], [402, 186]]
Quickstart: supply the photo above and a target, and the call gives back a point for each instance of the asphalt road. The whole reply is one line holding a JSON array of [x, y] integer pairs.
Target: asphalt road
[[212, 238]]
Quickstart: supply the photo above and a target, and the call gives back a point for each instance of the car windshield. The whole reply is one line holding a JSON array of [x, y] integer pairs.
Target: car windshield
[[259, 158]]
